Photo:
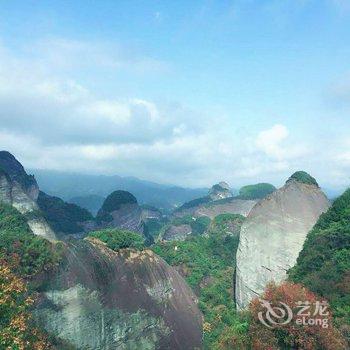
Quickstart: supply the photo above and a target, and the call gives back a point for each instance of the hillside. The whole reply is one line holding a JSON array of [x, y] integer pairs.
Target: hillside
[[324, 263]]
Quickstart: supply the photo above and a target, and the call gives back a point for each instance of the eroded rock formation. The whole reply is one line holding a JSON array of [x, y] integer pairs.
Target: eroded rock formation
[[20, 190], [273, 235], [120, 209], [226, 206], [101, 299]]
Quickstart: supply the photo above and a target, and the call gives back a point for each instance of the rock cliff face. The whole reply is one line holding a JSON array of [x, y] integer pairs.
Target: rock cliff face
[[273, 235], [220, 191], [149, 212], [226, 206], [177, 232], [21, 191], [101, 299], [120, 209], [219, 201]]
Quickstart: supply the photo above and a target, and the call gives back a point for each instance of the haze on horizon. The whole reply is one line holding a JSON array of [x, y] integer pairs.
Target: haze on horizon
[[187, 93]]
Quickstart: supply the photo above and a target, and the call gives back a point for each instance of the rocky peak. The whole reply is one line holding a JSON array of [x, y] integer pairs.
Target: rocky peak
[[125, 299], [20, 190], [273, 235], [303, 177], [15, 171], [220, 191], [121, 210]]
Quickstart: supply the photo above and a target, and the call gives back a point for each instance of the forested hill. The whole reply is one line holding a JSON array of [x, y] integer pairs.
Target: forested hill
[[324, 263]]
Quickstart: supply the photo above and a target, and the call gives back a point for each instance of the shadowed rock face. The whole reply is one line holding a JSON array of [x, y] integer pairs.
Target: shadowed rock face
[[21, 191], [101, 299], [273, 235], [120, 209]]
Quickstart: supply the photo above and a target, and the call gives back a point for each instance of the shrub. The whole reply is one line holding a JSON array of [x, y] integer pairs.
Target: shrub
[[119, 239], [16, 325], [226, 224], [292, 335], [207, 263], [257, 191], [116, 199], [63, 217], [304, 177], [324, 263], [17, 242]]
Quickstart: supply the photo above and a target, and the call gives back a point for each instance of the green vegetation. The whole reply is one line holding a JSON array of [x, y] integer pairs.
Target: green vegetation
[[304, 177], [22, 256], [198, 225], [116, 199], [119, 239], [227, 224], [154, 226], [33, 253], [194, 203], [257, 191], [63, 217], [324, 263], [208, 263]]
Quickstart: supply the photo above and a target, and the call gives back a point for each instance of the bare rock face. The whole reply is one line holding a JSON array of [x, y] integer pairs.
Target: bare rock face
[[220, 191], [177, 232], [120, 209], [273, 235], [227, 206], [101, 299], [21, 191], [149, 212]]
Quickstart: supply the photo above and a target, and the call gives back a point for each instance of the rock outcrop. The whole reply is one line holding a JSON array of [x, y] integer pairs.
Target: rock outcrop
[[102, 299], [177, 232], [226, 206], [120, 209], [20, 190], [220, 191], [273, 235], [218, 201], [150, 212]]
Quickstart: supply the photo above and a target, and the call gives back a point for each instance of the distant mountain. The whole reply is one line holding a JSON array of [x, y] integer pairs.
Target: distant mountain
[[70, 185], [91, 202]]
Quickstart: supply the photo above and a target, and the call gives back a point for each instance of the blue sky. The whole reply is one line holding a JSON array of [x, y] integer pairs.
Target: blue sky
[[185, 92]]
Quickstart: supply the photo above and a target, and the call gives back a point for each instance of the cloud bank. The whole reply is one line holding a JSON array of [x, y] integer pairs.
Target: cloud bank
[[50, 119]]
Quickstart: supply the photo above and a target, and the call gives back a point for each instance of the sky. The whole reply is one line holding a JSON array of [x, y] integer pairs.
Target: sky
[[178, 92]]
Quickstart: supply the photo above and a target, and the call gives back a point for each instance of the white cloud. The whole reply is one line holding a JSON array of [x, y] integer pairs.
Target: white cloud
[[50, 119], [271, 143]]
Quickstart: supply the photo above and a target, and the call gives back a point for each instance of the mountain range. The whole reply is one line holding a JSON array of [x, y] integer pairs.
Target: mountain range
[[89, 191]]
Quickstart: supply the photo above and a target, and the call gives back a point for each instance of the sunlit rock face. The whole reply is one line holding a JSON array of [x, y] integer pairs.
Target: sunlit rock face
[[227, 206], [273, 235], [21, 191], [220, 191], [101, 299]]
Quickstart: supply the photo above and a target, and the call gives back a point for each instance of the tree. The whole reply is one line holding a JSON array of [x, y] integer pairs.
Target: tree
[[16, 325], [299, 332]]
